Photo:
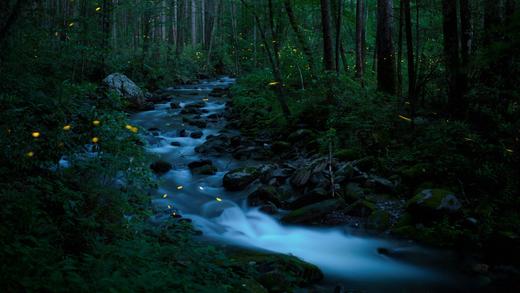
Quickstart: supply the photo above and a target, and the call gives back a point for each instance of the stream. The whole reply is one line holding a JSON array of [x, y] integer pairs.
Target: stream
[[344, 256]]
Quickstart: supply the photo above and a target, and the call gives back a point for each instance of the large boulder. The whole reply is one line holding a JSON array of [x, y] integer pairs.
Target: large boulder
[[302, 176], [275, 272], [214, 145], [160, 167], [265, 195], [314, 212], [196, 134], [432, 203], [126, 88], [312, 196], [203, 167], [240, 178]]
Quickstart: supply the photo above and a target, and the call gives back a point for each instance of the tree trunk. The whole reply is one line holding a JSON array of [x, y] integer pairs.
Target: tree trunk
[[338, 33], [300, 37], [400, 50], [327, 36], [272, 56], [105, 28], [10, 19], [193, 23], [451, 55], [385, 48], [360, 38], [410, 58], [492, 19]]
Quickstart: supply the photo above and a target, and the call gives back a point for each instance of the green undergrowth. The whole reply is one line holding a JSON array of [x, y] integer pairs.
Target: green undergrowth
[[435, 151], [84, 228]]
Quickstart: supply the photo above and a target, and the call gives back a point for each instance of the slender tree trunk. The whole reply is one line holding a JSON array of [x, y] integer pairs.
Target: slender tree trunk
[[193, 23], [105, 43], [179, 43], [10, 19], [451, 55], [400, 50], [203, 22], [338, 34], [213, 29], [492, 19], [146, 37], [410, 58], [386, 81], [327, 35], [360, 38], [234, 28], [300, 37]]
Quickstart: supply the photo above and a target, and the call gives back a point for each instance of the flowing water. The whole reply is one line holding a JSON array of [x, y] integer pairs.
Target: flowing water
[[224, 217]]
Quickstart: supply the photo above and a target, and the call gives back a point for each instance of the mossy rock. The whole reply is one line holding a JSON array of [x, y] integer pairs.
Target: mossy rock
[[346, 154], [415, 173], [405, 231], [312, 213], [354, 191], [379, 220], [239, 179], [265, 194], [205, 170], [431, 202], [276, 272]]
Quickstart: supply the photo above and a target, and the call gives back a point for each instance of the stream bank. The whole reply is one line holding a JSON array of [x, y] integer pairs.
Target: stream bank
[[256, 194]]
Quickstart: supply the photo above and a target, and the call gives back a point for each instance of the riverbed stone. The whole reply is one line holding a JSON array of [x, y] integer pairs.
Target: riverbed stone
[[239, 179], [203, 167], [196, 134], [182, 133], [160, 167], [197, 122], [191, 111], [218, 92], [214, 145]]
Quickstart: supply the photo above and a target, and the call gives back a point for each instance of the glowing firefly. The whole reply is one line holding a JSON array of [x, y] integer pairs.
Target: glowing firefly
[[35, 134], [180, 187], [405, 118], [67, 127], [95, 139], [96, 122], [218, 199]]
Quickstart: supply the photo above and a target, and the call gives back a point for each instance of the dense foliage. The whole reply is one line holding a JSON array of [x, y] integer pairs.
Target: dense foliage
[[75, 182]]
